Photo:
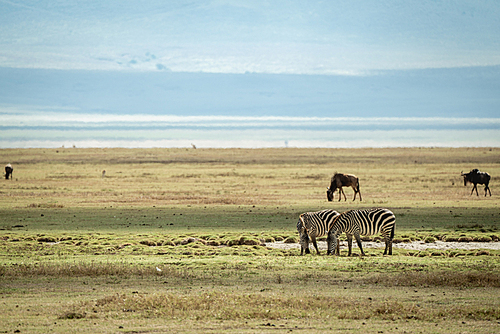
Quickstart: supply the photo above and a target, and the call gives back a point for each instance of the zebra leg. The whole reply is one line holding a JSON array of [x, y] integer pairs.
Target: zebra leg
[[358, 240], [315, 245], [349, 244], [388, 246]]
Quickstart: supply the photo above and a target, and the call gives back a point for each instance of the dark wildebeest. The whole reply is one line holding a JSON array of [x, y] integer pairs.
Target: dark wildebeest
[[475, 177], [8, 171], [343, 180]]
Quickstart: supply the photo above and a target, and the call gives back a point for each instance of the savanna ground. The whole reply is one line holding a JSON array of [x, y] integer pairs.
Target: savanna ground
[[171, 240]]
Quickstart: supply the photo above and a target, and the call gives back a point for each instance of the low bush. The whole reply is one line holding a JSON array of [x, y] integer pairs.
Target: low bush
[[429, 240]]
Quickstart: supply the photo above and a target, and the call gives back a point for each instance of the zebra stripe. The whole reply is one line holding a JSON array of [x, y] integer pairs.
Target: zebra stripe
[[312, 225], [363, 222]]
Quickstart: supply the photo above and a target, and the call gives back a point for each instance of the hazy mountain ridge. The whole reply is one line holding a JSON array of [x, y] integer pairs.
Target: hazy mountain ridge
[[462, 92]]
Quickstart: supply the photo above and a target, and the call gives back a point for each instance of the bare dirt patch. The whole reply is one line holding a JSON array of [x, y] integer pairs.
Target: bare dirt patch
[[416, 245]]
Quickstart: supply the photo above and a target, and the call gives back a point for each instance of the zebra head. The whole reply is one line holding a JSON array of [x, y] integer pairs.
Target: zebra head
[[331, 241], [303, 235]]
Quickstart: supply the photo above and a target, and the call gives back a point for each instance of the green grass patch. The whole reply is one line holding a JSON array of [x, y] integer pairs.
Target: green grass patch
[[171, 240]]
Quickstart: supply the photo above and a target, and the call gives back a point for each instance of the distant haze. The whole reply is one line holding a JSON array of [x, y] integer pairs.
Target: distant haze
[[249, 73]]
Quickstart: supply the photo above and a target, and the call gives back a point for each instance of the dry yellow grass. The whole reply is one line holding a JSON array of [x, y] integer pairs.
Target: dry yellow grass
[[84, 254]]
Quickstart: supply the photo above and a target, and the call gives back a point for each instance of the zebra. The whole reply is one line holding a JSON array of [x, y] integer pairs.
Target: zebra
[[312, 225], [362, 222]]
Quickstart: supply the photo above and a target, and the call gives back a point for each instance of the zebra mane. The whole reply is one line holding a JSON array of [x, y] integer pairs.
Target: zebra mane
[[340, 215]]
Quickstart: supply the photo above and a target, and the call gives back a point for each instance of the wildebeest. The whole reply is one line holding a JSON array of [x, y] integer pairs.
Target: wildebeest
[[8, 171], [340, 180], [475, 177]]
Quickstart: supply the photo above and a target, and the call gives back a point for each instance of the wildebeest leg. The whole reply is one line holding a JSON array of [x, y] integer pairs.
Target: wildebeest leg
[[354, 189], [487, 189], [341, 191], [475, 187], [358, 240], [315, 245]]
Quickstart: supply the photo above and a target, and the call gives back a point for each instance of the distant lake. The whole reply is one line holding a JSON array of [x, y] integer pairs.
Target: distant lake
[[436, 107], [23, 130]]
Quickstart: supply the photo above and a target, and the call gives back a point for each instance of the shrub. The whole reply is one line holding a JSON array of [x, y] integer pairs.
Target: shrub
[[213, 243], [46, 239], [482, 238], [482, 252], [429, 240], [437, 253], [168, 243], [464, 239], [233, 242], [148, 242], [248, 241]]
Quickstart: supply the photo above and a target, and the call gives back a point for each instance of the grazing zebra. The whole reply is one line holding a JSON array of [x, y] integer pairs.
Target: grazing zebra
[[312, 225], [362, 222]]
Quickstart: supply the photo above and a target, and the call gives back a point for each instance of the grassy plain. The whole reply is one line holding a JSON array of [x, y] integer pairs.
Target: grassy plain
[[170, 241]]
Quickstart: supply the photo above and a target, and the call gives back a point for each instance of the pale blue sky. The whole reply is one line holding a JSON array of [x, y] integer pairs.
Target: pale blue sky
[[230, 36]]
